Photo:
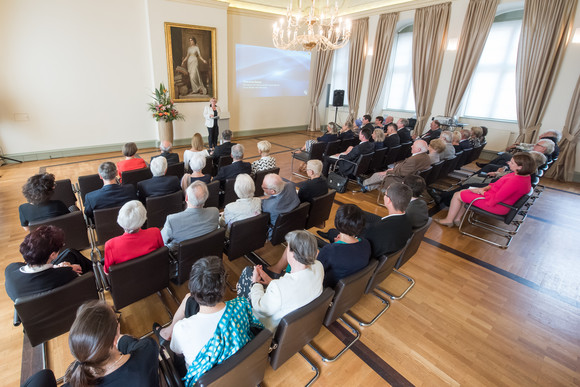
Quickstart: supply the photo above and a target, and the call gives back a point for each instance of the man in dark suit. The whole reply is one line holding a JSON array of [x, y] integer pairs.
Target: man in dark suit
[[225, 148], [165, 148], [464, 142], [112, 194], [351, 154], [403, 130], [433, 132], [235, 168], [159, 184], [417, 211], [315, 185], [392, 140]]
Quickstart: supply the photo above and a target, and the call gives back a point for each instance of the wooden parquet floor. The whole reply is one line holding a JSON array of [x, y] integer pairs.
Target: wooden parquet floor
[[477, 315]]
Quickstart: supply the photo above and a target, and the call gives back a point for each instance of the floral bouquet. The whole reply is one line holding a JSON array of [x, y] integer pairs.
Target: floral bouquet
[[162, 107]]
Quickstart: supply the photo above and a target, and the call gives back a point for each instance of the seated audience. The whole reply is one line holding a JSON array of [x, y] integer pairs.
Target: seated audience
[[544, 146], [38, 190], [112, 194], [42, 378], [347, 131], [464, 143], [45, 267], [196, 164], [379, 122], [104, 357], [246, 206], [272, 299], [366, 123], [265, 161], [225, 148], [433, 132], [378, 138], [165, 148], [403, 130], [192, 222], [280, 197], [196, 149], [329, 136], [135, 242], [436, 147], [132, 161], [388, 120], [159, 184], [476, 136], [350, 155], [456, 139], [417, 211], [449, 151], [507, 189], [235, 168], [205, 329], [552, 135], [392, 140], [315, 186]]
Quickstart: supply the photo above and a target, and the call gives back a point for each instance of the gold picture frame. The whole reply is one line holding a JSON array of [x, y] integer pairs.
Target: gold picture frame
[[191, 62]]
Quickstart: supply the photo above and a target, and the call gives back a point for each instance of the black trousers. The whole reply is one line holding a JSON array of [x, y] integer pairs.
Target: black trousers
[[212, 135]]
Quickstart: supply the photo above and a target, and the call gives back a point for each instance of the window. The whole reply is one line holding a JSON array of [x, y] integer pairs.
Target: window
[[339, 78], [399, 84], [492, 90]]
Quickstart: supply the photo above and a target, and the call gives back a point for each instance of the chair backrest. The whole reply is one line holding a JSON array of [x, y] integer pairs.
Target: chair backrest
[[213, 200], [298, 328], [290, 221], [435, 172], [461, 157], [362, 164], [405, 151], [207, 170], [467, 157], [158, 207], [392, 155], [320, 209], [259, 179], [344, 144], [224, 160], [176, 170], [189, 251], [247, 235], [517, 206], [135, 176], [89, 183], [74, 227], [245, 368], [413, 244], [63, 191], [50, 314], [332, 148], [317, 151], [106, 226], [385, 266], [139, 277], [476, 153], [425, 173], [448, 166], [229, 192], [348, 291], [378, 159]]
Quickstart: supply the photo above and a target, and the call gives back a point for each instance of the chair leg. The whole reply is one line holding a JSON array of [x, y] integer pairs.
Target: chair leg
[[314, 368], [374, 319], [342, 351], [394, 297], [470, 218]]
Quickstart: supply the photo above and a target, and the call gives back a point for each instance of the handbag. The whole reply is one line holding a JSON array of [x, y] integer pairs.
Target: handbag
[[337, 182]]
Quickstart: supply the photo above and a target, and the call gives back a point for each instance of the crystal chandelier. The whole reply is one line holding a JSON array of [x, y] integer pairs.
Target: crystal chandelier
[[316, 26]]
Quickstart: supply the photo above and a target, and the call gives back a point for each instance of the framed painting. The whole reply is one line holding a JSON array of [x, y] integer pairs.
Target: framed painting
[[191, 62]]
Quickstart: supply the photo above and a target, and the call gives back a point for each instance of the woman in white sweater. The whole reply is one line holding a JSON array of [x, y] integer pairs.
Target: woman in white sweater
[[211, 114]]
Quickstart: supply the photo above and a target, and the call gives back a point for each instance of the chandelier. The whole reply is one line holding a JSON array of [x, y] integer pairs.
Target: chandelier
[[311, 27]]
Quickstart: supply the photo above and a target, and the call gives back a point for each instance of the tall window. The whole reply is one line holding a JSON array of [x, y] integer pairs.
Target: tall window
[[492, 90], [399, 84], [339, 78]]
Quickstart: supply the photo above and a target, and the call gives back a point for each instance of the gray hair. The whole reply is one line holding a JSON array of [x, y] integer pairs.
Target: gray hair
[[197, 194], [315, 166], [447, 136], [108, 170], [165, 146], [132, 216], [554, 133], [548, 144], [274, 182], [264, 146], [238, 152], [303, 245], [197, 162], [227, 135], [244, 186], [539, 158], [158, 166]]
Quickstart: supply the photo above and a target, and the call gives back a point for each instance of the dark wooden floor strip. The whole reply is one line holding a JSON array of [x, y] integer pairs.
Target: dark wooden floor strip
[[563, 190], [505, 273], [384, 370]]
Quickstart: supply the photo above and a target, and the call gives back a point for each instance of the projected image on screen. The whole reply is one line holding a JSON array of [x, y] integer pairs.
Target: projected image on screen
[[269, 72]]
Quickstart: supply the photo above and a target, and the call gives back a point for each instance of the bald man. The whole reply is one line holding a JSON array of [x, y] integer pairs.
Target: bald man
[[280, 197], [165, 149]]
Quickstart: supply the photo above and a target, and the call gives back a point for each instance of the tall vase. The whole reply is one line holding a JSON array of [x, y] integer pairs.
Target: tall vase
[[165, 130]]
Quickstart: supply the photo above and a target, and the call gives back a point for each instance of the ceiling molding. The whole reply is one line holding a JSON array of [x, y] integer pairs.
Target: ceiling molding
[[219, 4], [401, 7], [232, 10]]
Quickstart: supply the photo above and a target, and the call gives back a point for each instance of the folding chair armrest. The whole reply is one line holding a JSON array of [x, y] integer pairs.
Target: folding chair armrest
[[16, 322], [103, 276], [507, 205], [171, 376]]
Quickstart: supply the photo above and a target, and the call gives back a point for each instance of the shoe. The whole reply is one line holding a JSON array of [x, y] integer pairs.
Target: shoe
[[452, 224], [360, 182], [157, 332], [457, 223], [322, 234], [481, 165], [434, 194]]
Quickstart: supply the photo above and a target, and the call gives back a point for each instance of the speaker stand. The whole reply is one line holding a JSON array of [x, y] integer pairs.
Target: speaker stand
[[335, 113]]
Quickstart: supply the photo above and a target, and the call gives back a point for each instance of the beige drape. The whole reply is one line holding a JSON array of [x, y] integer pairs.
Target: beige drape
[[429, 38], [320, 64], [356, 64], [546, 29], [563, 168], [474, 32], [382, 52]]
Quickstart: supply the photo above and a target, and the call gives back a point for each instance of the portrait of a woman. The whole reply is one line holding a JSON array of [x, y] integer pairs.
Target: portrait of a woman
[[192, 57]]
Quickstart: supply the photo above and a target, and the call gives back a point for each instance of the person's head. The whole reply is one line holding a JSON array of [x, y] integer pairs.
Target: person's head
[[129, 149], [366, 119], [264, 147], [158, 166], [391, 128], [132, 216], [165, 146], [314, 168], [196, 194], [213, 101], [539, 158], [197, 142], [39, 188], [522, 164], [483, 130], [437, 145], [447, 136], [192, 41], [397, 197], [553, 134], [402, 123], [545, 146], [42, 245], [237, 152], [379, 135], [272, 184], [244, 186], [207, 281], [348, 126], [108, 170], [227, 135], [419, 146], [302, 247], [197, 163], [389, 119], [365, 134], [456, 137], [435, 125], [379, 120], [416, 183], [465, 134], [477, 132], [91, 340], [349, 220]]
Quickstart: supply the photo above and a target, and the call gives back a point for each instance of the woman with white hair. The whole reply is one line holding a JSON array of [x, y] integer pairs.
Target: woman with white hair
[[135, 242], [246, 206], [265, 161], [196, 164]]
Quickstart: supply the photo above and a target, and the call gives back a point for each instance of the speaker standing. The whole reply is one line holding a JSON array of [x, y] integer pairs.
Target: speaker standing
[[211, 114]]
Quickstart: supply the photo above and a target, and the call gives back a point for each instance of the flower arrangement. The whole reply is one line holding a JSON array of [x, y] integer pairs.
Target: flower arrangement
[[162, 107]]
